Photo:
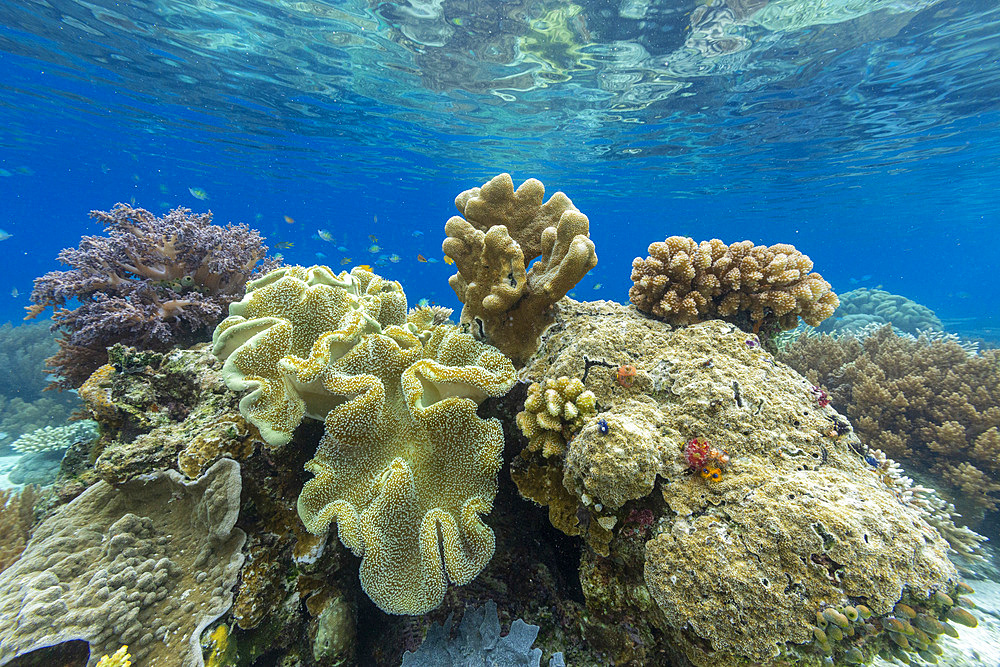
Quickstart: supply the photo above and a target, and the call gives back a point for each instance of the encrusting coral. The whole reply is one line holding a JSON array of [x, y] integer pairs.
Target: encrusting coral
[[926, 403], [405, 466], [729, 571], [501, 233], [151, 282], [763, 287], [150, 564]]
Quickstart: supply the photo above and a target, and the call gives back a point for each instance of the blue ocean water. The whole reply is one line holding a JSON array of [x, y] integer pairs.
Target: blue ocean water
[[867, 133]]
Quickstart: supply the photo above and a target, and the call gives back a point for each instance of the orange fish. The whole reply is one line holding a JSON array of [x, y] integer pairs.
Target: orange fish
[[289, 219], [448, 260], [421, 258]]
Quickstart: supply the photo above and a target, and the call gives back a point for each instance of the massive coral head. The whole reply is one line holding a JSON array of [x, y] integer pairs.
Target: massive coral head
[[150, 282]]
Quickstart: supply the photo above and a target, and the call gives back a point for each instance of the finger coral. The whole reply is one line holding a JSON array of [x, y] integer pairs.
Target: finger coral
[[501, 231], [927, 403], [150, 282], [553, 412], [405, 466], [756, 286]]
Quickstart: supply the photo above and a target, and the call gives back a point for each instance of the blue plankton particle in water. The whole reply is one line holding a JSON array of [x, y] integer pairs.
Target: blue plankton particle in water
[[602, 426]]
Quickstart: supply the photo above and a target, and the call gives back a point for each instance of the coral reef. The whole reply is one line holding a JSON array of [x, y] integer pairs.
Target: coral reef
[[51, 438], [926, 403], [150, 564], [151, 282], [799, 522], [405, 466], [500, 232], [763, 287], [554, 412], [863, 307], [16, 516], [23, 407], [479, 643]]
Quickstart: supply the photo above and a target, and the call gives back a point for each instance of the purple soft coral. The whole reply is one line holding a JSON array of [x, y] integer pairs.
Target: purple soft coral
[[151, 282]]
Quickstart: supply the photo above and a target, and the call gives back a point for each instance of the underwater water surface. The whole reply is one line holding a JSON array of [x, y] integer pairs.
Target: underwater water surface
[[864, 132]]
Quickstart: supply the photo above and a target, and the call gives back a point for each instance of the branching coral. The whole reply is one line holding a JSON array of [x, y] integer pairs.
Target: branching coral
[[760, 286], [16, 517], [502, 231], [151, 282], [51, 438], [927, 403]]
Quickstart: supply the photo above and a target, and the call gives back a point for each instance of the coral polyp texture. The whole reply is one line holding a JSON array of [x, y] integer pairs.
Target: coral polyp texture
[[927, 403], [553, 412], [149, 564], [731, 571], [151, 282], [874, 307], [500, 232], [405, 466], [754, 286]]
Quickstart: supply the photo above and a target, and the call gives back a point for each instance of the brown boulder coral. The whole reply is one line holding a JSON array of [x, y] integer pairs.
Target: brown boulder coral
[[149, 564], [756, 286], [501, 232], [732, 571]]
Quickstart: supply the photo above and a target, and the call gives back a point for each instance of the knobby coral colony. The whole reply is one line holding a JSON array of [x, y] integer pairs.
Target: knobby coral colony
[[151, 282]]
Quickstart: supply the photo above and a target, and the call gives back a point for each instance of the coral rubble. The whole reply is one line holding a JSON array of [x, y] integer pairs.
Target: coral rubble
[[405, 466], [733, 569], [149, 564], [500, 232], [151, 282], [756, 286]]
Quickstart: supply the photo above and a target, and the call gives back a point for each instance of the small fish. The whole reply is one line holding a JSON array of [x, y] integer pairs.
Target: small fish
[[423, 303], [258, 217], [198, 193], [597, 286], [135, 177], [373, 238], [448, 260], [365, 267], [324, 234], [320, 255], [421, 258], [342, 248], [394, 258], [417, 234], [346, 260], [289, 219], [284, 245], [373, 249], [432, 260], [375, 219], [14, 293], [163, 188], [4, 235]]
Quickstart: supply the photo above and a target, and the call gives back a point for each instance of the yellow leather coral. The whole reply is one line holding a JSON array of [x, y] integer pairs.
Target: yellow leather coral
[[282, 315], [405, 466]]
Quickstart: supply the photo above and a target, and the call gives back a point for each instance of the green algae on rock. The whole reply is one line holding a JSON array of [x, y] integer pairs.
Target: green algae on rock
[[736, 569]]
